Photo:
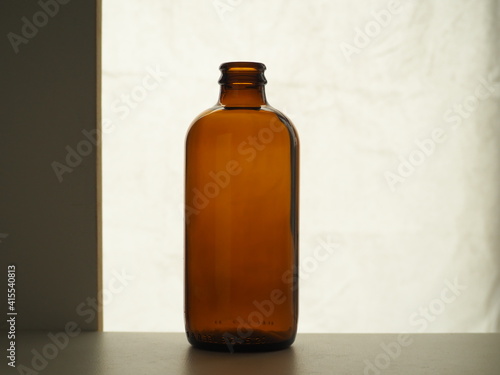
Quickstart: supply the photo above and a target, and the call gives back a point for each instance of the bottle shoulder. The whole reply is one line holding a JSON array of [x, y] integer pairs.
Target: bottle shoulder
[[220, 118], [218, 113]]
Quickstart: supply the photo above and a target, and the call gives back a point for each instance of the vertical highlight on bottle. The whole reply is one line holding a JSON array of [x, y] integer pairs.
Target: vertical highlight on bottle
[[241, 219]]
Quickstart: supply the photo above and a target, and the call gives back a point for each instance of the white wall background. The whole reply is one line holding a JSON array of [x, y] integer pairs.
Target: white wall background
[[426, 69]]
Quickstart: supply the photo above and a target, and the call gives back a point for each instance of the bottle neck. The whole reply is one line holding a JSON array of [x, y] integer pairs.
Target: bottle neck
[[242, 84], [249, 96]]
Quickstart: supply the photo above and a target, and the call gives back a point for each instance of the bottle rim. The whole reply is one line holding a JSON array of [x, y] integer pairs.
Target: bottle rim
[[242, 66]]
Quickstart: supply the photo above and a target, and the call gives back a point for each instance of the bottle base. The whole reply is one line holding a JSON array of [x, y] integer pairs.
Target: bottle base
[[227, 342]]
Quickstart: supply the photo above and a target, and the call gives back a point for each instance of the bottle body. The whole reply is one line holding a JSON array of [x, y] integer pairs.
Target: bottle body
[[241, 229]]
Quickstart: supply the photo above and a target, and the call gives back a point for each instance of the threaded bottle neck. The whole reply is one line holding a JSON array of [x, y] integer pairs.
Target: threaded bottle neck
[[242, 84]]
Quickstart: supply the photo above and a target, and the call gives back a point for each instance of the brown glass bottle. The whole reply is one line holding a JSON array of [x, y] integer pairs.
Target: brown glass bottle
[[241, 219]]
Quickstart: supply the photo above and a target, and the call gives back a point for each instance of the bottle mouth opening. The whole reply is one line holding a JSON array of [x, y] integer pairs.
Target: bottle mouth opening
[[242, 73]]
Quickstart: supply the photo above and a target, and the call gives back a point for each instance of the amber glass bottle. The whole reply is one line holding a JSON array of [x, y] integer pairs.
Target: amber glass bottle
[[241, 219]]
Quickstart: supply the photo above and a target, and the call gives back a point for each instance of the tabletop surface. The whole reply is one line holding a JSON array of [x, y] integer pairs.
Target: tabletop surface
[[169, 353]]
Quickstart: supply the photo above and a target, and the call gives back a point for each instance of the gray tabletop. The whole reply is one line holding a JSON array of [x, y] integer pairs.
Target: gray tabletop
[[169, 353]]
